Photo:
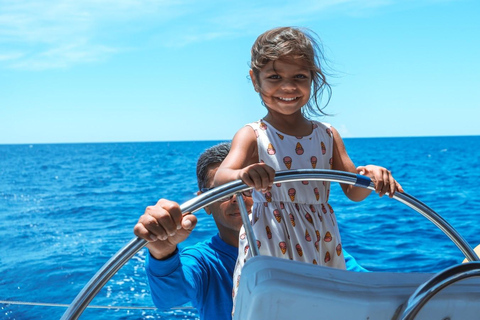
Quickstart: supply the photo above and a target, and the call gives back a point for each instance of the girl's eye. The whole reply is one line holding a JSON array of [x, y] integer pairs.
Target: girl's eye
[[301, 76], [274, 76]]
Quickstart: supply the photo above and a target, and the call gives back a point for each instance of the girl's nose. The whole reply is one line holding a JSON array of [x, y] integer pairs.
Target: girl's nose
[[289, 86]]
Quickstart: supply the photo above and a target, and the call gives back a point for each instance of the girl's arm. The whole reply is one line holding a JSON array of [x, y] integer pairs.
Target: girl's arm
[[242, 163], [381, 177]]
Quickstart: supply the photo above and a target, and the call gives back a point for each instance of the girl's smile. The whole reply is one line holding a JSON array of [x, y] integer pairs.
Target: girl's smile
[[287, 99]]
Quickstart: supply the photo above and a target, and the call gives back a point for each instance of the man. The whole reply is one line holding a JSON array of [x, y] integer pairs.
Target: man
[[201, 274]]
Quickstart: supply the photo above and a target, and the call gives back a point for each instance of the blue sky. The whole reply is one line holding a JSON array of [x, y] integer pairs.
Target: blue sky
[[163, 70]]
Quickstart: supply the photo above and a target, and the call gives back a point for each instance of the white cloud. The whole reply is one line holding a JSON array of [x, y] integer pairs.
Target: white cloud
[[63, 56], [59, 33], [42, 34], [10, 56], [240, 18]]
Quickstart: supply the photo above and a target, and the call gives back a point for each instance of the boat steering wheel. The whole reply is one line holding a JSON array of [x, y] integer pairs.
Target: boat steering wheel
[[86, 295]]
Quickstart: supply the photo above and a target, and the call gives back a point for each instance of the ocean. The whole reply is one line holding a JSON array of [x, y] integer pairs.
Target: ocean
[[65, 209]]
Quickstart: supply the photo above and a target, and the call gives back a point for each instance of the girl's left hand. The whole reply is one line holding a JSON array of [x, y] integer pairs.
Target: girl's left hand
[[382, 179]]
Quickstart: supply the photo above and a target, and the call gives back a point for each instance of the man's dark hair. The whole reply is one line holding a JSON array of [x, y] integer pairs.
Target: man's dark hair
[[211, 156]]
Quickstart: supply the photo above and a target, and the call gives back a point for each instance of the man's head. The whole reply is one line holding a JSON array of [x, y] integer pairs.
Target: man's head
[[210, 158], [226, 214]]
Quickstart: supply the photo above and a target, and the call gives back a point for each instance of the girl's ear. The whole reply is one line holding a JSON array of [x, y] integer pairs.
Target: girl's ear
[[254, 81]]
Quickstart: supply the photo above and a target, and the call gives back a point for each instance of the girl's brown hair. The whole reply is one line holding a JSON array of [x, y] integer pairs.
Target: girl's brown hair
[[298, 44]]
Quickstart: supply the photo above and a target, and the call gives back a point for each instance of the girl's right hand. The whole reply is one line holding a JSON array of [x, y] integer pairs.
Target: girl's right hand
[[382, 179], [258, 175]]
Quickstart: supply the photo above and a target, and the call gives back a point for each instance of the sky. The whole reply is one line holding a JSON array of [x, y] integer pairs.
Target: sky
[[172, 70]]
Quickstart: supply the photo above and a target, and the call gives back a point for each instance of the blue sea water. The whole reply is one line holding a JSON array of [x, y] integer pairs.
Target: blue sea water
[[65, 209]]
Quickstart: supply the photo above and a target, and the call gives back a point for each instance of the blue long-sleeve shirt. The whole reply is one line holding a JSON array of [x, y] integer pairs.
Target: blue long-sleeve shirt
[[201, 274]]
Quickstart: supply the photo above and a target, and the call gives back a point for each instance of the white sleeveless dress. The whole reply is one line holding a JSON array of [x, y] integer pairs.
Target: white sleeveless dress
[[294, 220]]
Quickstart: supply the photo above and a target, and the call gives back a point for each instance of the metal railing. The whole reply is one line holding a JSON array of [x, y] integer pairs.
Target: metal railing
[[430, 288], [86, 295]]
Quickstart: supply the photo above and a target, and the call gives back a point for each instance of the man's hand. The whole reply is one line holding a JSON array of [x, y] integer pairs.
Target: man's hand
[[163, 226]]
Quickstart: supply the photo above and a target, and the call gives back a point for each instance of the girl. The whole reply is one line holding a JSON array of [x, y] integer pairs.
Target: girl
[[292, 220]]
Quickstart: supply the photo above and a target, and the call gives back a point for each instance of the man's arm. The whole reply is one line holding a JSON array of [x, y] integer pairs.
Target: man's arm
[[170, 284], [164, 227]]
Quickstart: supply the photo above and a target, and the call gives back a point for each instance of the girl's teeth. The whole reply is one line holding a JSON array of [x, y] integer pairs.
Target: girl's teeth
[[287, 99]]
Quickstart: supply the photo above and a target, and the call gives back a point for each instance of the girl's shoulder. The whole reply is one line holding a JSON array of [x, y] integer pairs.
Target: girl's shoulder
[[321, 125], [324, 127], [256, 124], [263, 126]]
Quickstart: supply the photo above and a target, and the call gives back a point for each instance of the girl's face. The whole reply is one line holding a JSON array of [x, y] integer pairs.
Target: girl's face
[[284, 85]]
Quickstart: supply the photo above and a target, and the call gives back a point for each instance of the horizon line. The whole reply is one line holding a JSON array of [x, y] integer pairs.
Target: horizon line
[[218, 140]]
